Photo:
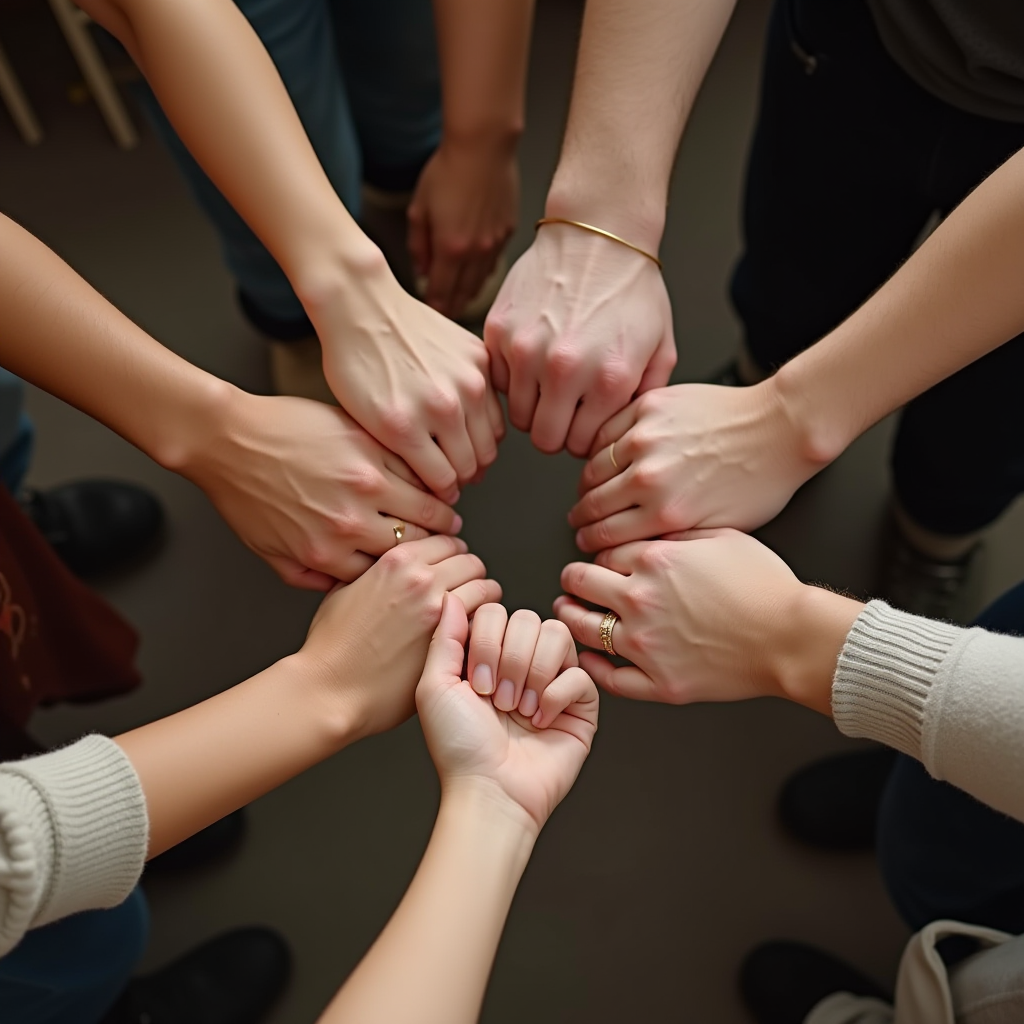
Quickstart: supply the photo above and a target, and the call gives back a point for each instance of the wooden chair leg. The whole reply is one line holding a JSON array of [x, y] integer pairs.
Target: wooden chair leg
[[74, 23], [17, 103]]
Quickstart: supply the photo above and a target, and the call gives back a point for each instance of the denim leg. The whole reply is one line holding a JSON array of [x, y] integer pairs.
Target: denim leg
[[72, 971], [388, 55], [944, 854], [299, 38], [16, 432]]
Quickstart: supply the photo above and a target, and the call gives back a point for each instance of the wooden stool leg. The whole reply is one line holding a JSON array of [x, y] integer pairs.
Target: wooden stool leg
[[17, 103], [74, 23]]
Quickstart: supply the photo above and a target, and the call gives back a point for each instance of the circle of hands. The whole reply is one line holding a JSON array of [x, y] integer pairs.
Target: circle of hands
[[671, 475]]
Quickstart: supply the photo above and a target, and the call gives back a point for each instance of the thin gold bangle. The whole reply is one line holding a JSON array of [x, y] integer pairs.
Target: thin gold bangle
[[598, 231]]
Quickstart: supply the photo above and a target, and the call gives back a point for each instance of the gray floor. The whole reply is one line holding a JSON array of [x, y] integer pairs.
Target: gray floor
[[664, 865]]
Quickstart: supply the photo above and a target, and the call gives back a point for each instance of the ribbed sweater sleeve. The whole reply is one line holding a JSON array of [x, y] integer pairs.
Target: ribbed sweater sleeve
[[953, 698], [73, 835]]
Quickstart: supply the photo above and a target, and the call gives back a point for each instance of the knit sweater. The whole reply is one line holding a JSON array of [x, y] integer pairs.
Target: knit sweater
[[74, 831], [73, 835], [950, 697]]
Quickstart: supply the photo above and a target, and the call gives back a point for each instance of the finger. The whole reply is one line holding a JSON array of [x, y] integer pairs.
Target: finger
[[418, 240], [471, 279], [609, 462], [481, 435], [555, 410], [457, 446], [620, 528], [495, 337], [554, 653], [585, 625], [477, 593], [447, 645], [595, 584], [622, 559], [296, 575], [611, 497], [614, 429], [574, 692], [459, 569], [494, 413], [659, 369], [499, 371], [521, 636], [442, 280], [700, 533], [419, 508], [433, 549], [400, 468], [523, 389], [627, 681], [485, 642], [594, 411], [431, 465]]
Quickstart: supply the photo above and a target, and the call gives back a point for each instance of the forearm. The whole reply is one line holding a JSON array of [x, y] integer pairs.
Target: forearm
[[483, 50], [640, 66], [956, 299], [232, 112], [62, 335], [210, 759], [431, 963]]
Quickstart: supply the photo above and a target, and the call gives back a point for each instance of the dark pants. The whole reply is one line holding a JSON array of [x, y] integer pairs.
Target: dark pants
[[850, 158], [942, 853]]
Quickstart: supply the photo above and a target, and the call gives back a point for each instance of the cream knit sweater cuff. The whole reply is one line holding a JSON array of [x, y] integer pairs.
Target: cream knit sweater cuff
[[73, 834], [885, 675]]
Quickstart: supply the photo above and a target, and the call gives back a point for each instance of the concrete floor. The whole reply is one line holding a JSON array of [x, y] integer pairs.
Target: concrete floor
[[665, 863]]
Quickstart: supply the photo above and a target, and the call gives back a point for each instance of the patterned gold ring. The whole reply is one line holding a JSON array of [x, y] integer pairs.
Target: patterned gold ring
[[607, 625]]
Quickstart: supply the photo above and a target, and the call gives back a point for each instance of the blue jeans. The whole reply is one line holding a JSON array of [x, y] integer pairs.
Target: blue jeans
[[72, 971], [364, 78], [16, 432], [942, 853]]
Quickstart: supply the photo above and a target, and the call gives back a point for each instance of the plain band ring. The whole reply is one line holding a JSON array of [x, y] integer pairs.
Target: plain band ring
[[607, 625], [399, 529], [611, 454]]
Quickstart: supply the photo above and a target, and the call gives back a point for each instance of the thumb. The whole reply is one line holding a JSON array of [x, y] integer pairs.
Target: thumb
[[448, 644]]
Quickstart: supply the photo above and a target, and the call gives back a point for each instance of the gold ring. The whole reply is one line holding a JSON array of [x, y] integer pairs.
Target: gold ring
[[399, 529], [611, 454], [607, 625]]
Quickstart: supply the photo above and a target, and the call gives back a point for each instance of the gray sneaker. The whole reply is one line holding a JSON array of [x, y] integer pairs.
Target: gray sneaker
[[916, 583]]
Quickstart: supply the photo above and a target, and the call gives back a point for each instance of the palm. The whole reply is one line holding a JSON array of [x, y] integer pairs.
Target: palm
[[469, 738]]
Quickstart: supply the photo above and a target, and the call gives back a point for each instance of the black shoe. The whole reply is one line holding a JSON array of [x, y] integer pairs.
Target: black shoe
[[833, 803], [232, 979], [96, 526], [914, 582], [781, 982], [206, 847]]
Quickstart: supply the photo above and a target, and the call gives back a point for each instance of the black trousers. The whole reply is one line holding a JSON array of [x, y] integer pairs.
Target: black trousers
[[849, 159]]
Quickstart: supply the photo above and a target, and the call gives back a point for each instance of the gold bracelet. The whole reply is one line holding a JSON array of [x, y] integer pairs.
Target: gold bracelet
[[597, 231]]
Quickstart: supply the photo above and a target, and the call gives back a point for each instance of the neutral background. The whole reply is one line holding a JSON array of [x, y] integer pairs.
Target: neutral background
[[665, 864]]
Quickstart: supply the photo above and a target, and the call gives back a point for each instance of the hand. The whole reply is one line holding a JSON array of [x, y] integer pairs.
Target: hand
[[693, 455], [367, 642], [529, 762], [416, 381], [581, 324], [712, 617], [308, 490], [462, 214]]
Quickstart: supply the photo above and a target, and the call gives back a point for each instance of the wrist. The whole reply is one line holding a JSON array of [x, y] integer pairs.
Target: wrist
[[330, 723], [483, 801], [613, 203], [818, 424], [813, 628], [490, 137]]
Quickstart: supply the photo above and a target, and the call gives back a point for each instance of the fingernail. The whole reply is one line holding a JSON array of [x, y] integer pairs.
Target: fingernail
[[457, 524], [505, 695], [483, 681], [528, 704]]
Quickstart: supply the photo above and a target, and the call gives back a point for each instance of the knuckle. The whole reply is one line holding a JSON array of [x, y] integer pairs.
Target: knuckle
[[600, 533], [457, 246], [475, 387], [366, 480], [346, 524], [400, 424], [397, 559], [611, 382], [645, 477], [563, 362], [522, 349], [444, 404]]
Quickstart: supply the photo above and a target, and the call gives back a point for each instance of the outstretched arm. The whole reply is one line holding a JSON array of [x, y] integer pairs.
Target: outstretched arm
[[466, 203], [582, 317], [696, 455], [302, 484], [501, 776], [401, 370]]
